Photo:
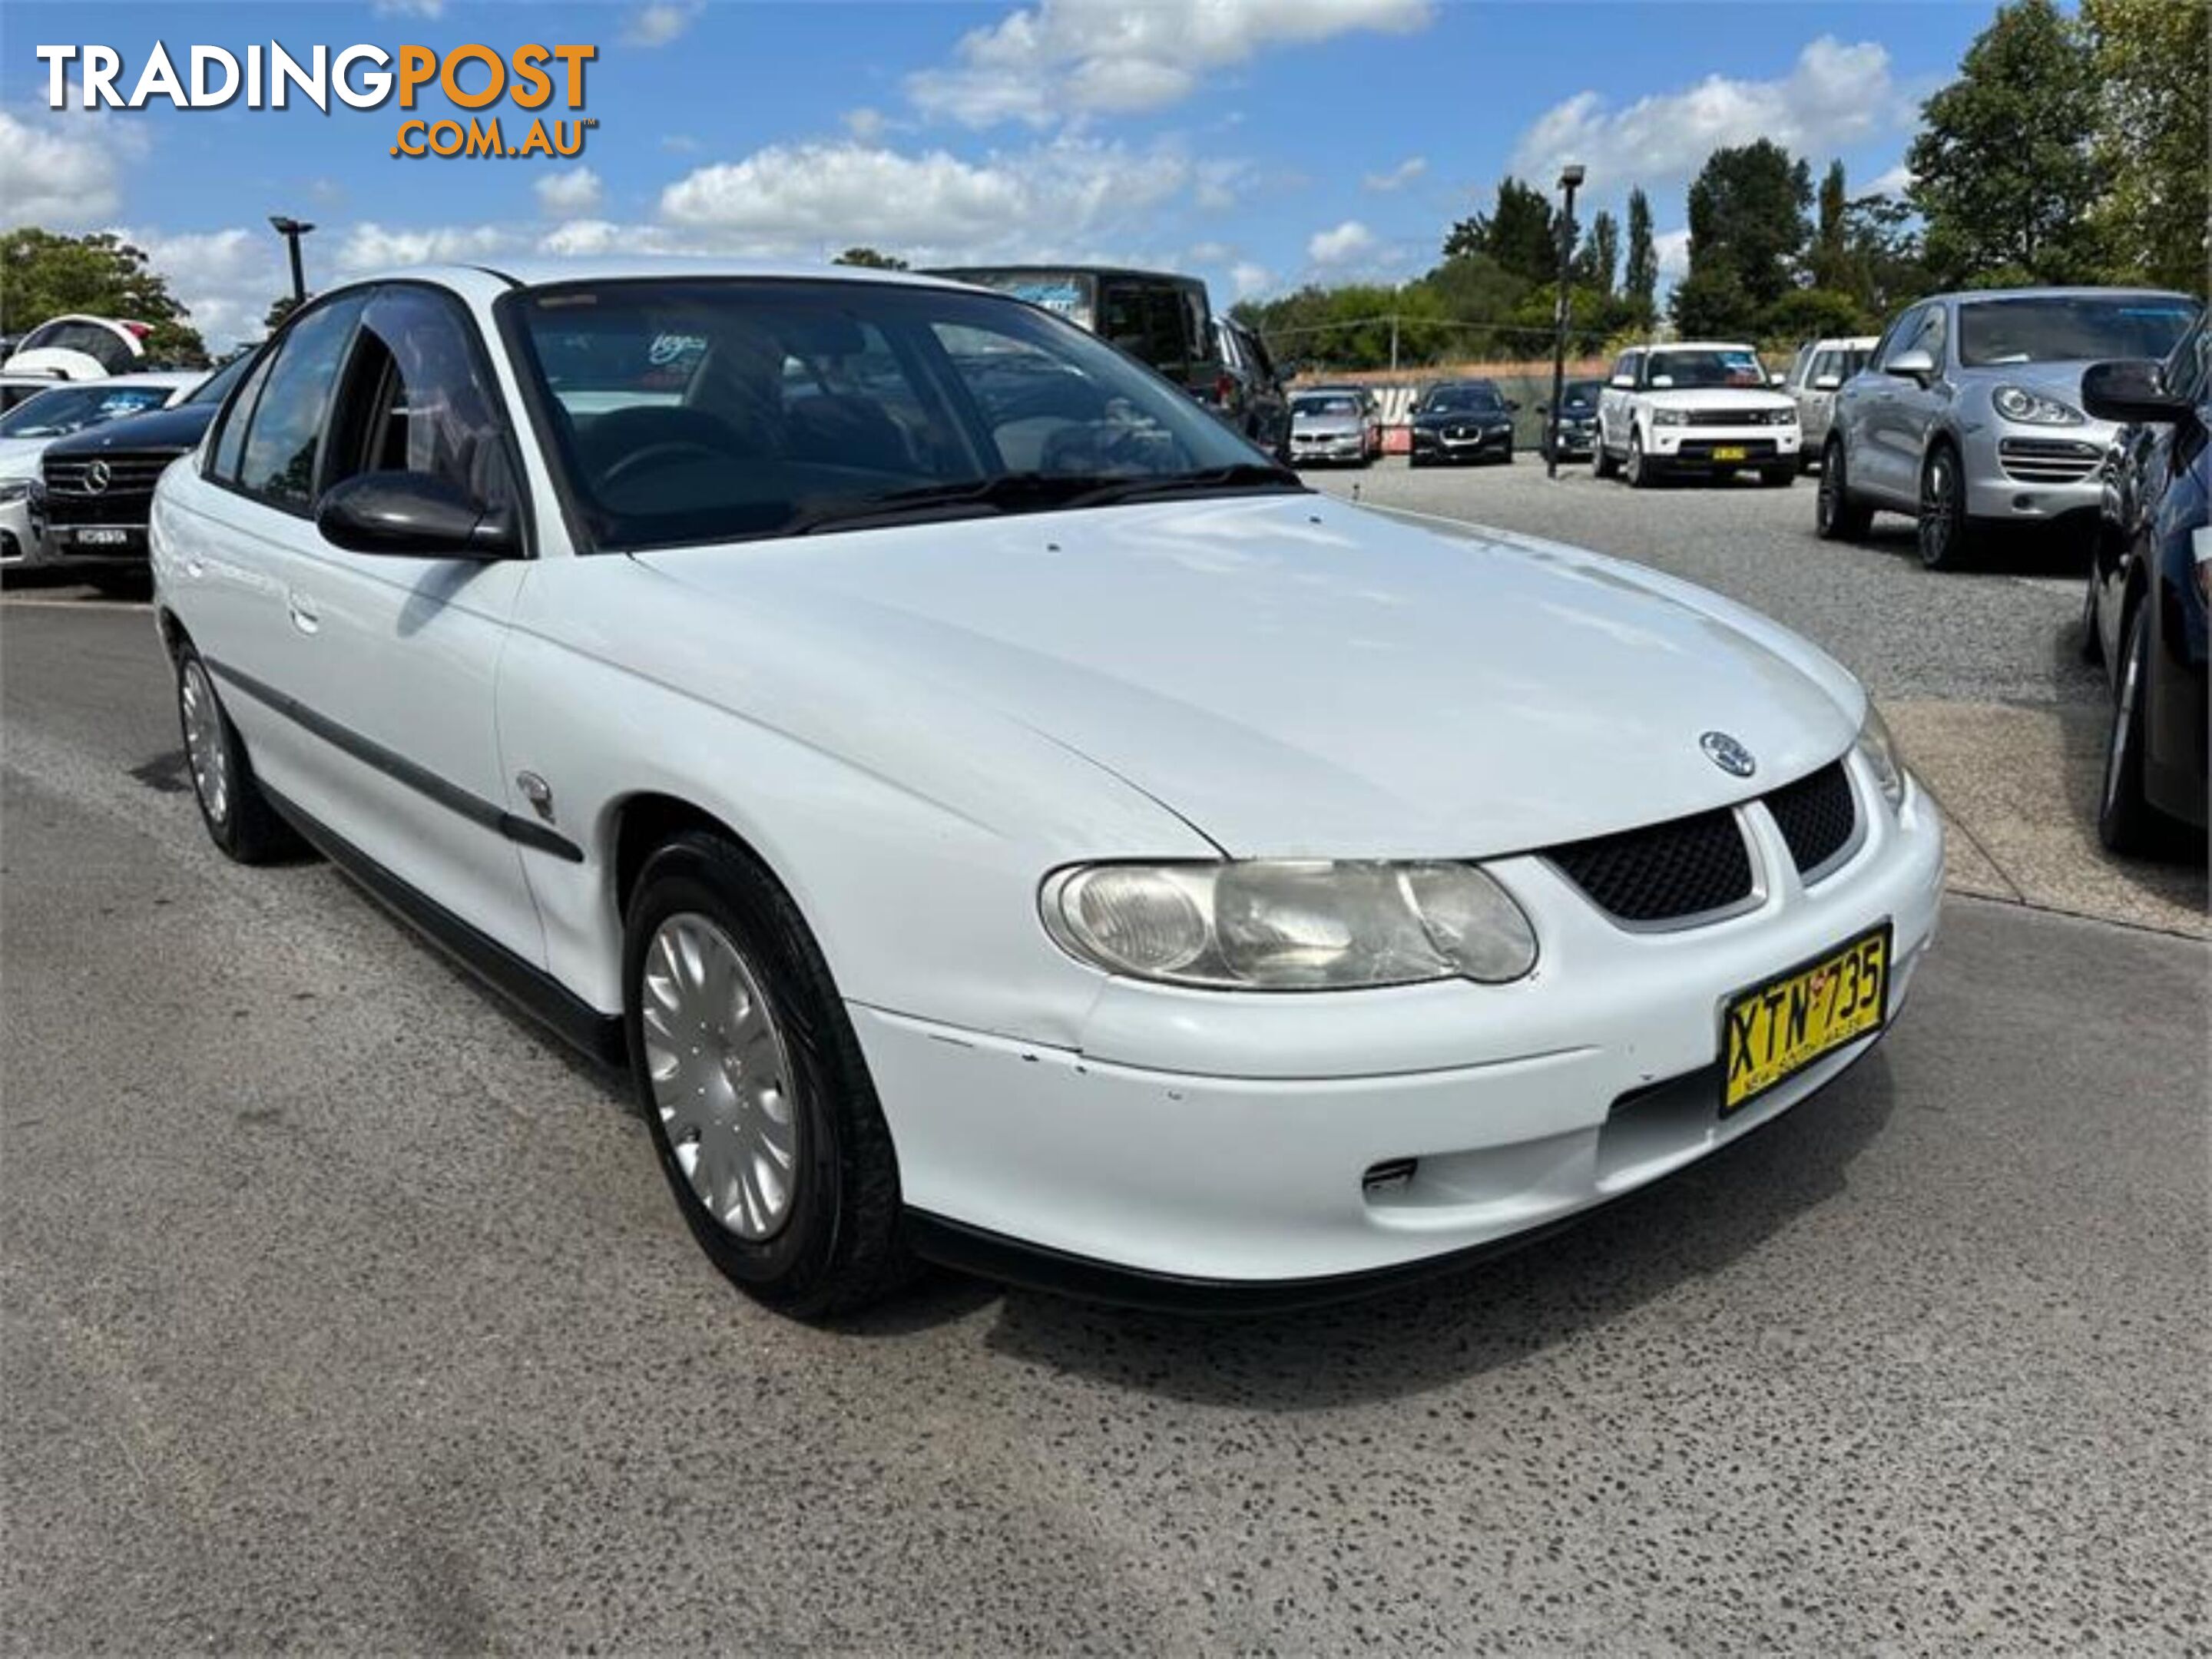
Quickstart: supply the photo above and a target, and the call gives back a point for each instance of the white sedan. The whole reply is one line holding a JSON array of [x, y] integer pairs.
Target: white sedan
[[997, 815]]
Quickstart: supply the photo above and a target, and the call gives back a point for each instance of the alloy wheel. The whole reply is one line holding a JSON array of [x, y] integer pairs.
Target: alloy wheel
[[206, 752], [1939, 510], [721, 1076]]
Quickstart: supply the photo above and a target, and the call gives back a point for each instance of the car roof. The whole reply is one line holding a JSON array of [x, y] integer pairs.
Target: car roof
[[1975, 295], [1699, 345], [1847, 341], [546, 272]]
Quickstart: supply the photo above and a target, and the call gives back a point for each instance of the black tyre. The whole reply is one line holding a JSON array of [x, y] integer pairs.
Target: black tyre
[[1836, 515], [2126, 821], [2093, 638], [753, 1086], [1778, 478], [1640, 472], [1946, 534], [1602, 465], [239, 817]]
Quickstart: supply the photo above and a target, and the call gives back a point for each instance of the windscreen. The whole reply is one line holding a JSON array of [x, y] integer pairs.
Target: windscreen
[[694, 411], [1464, 399], [2062, 328], [1329, 402], [1069, 293], [1727, 366], [64, 410]]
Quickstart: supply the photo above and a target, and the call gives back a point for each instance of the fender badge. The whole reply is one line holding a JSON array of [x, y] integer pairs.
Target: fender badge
[[538, 792]]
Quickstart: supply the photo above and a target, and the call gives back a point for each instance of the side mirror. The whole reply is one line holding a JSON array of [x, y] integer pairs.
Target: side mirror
[[1778, 378], [1512, 408], [1827, 382], [1542, 409], [1661, 382], [2130, 390], [1623, 382], [1913, 365], [414, 515]]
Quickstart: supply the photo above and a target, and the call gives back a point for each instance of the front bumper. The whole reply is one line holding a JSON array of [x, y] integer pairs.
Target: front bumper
[[20, 547], [1228, 1140], [1722, 448], [1347, 447], [2035, 475]]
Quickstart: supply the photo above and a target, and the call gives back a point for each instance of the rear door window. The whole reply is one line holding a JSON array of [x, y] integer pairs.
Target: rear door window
[[283, 437]]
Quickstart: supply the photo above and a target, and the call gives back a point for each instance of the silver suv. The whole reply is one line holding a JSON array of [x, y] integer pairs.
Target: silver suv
[[1969, 415]]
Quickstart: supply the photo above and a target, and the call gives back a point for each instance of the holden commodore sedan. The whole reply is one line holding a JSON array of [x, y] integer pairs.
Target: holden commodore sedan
[[993, 813]]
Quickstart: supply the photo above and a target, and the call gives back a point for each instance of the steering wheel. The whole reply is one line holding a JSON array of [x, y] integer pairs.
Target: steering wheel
[[668, 452]]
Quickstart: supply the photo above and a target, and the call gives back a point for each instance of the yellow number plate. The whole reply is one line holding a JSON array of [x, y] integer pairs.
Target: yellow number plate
[[1730, 452], [1775, 1029]]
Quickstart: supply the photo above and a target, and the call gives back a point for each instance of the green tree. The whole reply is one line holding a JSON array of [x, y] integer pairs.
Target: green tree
[[1748, 234], [2003, 171], [1600, 258], [1640, 280], [1829, 264], [279, 308], [2149, 58], [1518, 232], [1888, 270], [1811, 314], [870, 258], [43, 274]]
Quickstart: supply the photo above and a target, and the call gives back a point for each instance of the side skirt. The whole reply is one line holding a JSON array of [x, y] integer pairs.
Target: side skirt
[[596, 1035]]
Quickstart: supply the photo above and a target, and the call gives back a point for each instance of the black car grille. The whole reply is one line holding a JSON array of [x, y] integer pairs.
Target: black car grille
[[1727, 417], [1698, 868], [2048, 461], [1818, 815], [1666, 872], [126, 498]]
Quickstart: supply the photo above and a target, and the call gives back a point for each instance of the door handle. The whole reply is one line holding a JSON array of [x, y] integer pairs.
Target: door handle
[[305, 618]]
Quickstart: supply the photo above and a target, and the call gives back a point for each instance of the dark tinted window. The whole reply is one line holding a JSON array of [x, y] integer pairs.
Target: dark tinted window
[[811, 405], [284, 435], [1702, 367], [1153, 322], [217, 385], [230, 441], [416, 400], [95, 340], [1475, 395]]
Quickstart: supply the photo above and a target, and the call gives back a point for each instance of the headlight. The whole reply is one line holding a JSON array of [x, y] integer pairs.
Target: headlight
[[1302, 926], [2032, 408], [13, 490], [1883, 754], [1669, 417], [1781, 417]]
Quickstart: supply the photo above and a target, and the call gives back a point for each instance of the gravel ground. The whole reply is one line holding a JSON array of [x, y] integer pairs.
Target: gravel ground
[[340, 1313], [2004, 633]]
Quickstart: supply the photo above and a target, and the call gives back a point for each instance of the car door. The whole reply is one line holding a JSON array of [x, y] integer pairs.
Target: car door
[[1879, 464], [233, 533], [395, 655], [1908, 408], [1613, 402]]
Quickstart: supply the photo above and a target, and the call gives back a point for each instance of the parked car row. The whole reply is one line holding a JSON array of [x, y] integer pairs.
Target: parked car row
[[58, 413]]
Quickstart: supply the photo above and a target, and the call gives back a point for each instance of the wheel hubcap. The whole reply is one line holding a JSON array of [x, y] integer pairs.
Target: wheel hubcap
[[720, 1075], [205, 748]]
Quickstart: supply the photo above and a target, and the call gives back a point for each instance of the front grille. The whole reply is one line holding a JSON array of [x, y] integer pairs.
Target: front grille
[[1818, 817], [2048, 461], [127, 475], [115, 507], [1727, 417], [1665, 873]]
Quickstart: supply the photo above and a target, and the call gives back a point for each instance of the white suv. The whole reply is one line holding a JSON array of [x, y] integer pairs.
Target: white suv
[[1700, 406]]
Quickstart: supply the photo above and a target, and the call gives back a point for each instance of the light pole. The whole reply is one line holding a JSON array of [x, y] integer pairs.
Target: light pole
[[292, 230], [1570, 177]]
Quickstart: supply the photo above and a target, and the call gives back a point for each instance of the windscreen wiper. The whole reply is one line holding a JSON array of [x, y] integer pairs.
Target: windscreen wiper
[[1238, 474], [1005, 492]]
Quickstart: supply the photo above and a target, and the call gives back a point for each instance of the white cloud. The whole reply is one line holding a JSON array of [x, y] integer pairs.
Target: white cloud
[[408, 8], [1400, 176], [62, 171], [679, 144], [1247, 279], [660, 22], [582, 238], [1051, 200], [1347, 242], [1063, 58], [865, 123], [370, 247], [224, 278], [1212, 254], [1895, 182], [1673, 249], [571, 195], [1834, 96], [1217, 183]]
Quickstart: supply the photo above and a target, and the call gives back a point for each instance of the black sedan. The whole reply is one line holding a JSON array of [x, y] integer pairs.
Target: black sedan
[[1578, 421], [2149, 585], [1462, 421]]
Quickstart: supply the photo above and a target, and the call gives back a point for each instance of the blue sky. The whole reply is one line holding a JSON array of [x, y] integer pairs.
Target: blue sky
[[1263, 143]]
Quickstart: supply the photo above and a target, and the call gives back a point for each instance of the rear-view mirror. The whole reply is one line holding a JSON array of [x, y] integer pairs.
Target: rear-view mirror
[[1827, 382], [414, 515], [2131, 389]]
